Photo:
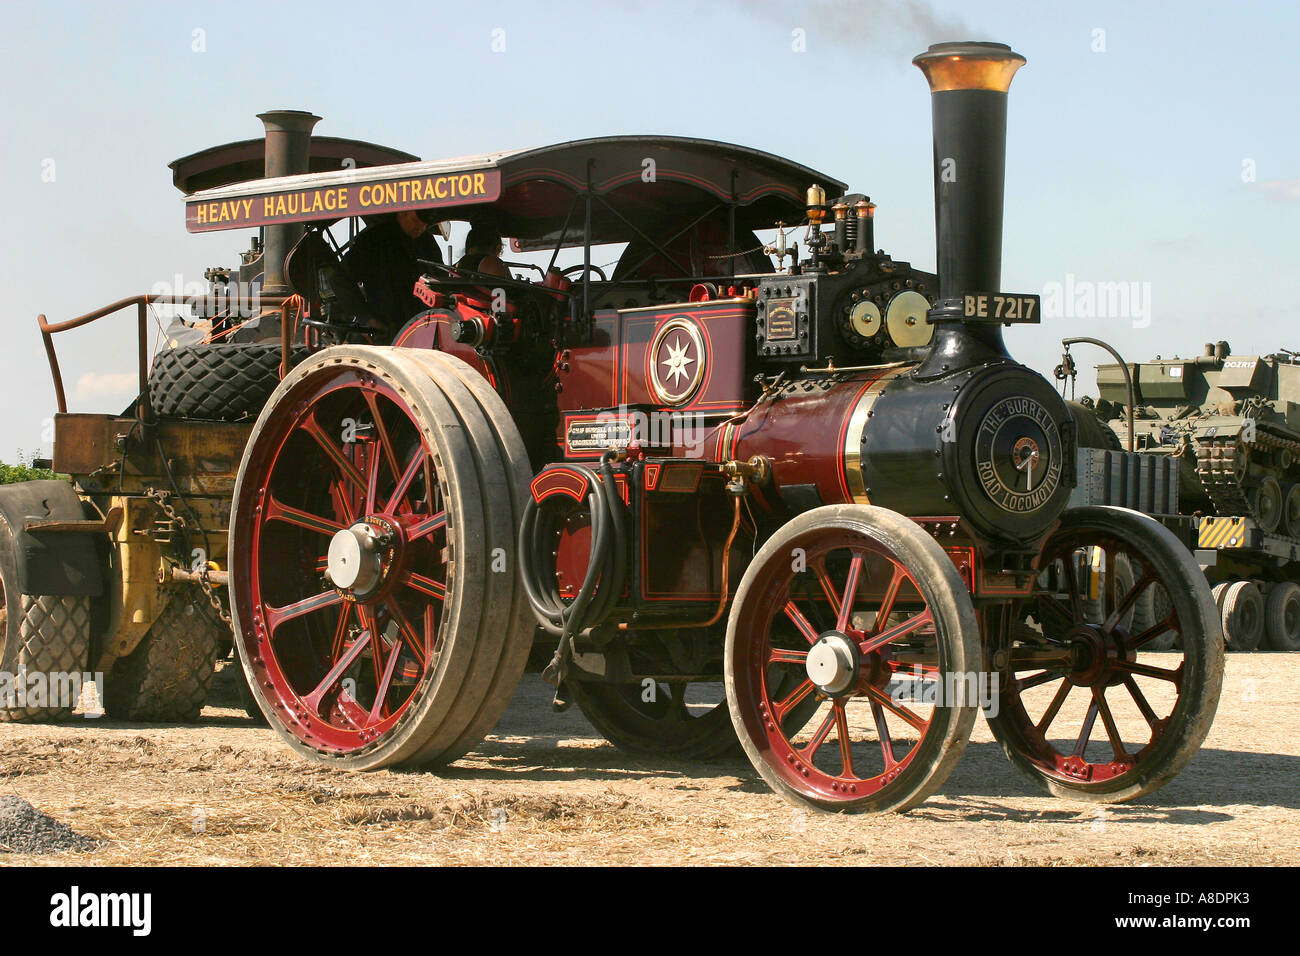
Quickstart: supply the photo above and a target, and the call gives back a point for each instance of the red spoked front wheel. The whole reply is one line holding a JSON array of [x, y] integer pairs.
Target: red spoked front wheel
[[372, 553], [850, 661], [1085, 707]]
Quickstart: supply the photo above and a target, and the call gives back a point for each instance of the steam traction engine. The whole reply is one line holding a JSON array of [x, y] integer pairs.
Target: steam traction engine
[[828, 488]]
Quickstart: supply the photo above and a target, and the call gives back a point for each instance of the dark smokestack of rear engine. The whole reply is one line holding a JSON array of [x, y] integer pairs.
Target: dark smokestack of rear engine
[[968, 96], [288, 153]]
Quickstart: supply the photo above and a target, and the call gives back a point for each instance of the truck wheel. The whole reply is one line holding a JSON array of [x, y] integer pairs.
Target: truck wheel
[[376, 601], [1153, 713], [217, 382], [1282, 617], [1243, 616], [166, 678], [861, 611], [667, 725], [44, 634]]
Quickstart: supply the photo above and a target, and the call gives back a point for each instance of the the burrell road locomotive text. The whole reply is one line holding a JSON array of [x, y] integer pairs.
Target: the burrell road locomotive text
[[820, 490]]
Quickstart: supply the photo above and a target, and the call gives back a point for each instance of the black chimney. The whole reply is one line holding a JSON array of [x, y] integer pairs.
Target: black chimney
[[968, 87], [288, 153]]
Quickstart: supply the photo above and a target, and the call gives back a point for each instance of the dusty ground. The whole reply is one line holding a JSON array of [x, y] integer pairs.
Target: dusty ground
[[545, 789]]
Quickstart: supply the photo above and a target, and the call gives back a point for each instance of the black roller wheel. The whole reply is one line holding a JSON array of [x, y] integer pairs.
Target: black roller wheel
[[42, 637], [658, 718], [1090, 430], [216, 382], [166, 678], [1089, 714]]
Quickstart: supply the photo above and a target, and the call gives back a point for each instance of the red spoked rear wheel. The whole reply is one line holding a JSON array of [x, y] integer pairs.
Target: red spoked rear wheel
[[374, 496], [855, 614], [1085, 707]]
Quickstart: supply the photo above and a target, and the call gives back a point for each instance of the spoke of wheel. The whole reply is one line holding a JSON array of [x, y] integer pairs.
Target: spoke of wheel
[[372, 481], [882, 731], [782, 707], [277, 510], [341, 632], [1108, 721], [336, 672], [780, 655], [381, 687], [427, 526], [1032, 658], [1133, 667], [275, 616], [1050, 603], [1025, 683], [1081, 745], [898, 710], [1109, 594], [810, 749], [430, 630], [1129, 600], [1139, 698], [1154, 631], [828, 588], [370, 622], [1072, 579], [796, 616], [341, 495], [842, 734], [850, 592], [381, 432], [1054, 707], [427, 585], [404, 482], [408, 633], [335, 452], [878, 641], [887, 600]]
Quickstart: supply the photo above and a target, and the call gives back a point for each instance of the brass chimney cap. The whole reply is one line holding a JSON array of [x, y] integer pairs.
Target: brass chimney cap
[[969, 65]]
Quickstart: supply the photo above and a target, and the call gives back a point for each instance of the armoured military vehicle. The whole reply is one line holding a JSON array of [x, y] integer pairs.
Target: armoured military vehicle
[[1232, 422]]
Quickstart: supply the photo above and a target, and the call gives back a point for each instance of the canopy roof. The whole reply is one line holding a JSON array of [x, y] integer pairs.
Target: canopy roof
[[246, 159], [531, 194]]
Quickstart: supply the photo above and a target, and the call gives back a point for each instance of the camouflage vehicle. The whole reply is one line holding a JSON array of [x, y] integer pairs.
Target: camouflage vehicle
[[1232, 423]]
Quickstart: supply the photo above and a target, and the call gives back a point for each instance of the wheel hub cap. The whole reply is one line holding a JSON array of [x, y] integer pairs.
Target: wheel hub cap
[[354, 562], [832, 663]]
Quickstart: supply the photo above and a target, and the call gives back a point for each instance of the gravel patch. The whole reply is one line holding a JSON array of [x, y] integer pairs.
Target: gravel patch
[[24, 829]]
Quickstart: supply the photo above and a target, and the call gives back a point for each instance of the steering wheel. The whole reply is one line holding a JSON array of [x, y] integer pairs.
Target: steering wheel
[[343, 329], [470, 279], [583, 269]]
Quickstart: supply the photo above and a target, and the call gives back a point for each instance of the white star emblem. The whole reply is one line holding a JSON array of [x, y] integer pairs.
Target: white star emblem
[[677, 360]]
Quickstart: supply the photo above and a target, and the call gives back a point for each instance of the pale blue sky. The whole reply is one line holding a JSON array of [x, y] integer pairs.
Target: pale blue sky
[[1124, 164]]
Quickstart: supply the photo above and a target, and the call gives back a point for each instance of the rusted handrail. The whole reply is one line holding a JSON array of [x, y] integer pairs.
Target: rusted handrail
[[142, 303]]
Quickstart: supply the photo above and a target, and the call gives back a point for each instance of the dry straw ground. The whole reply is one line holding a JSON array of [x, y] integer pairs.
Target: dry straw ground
[[545, 789]]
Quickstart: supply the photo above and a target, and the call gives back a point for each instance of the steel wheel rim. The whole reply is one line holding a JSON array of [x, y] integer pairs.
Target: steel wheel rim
[[760, 665], [1107, 662], [308, 638]]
